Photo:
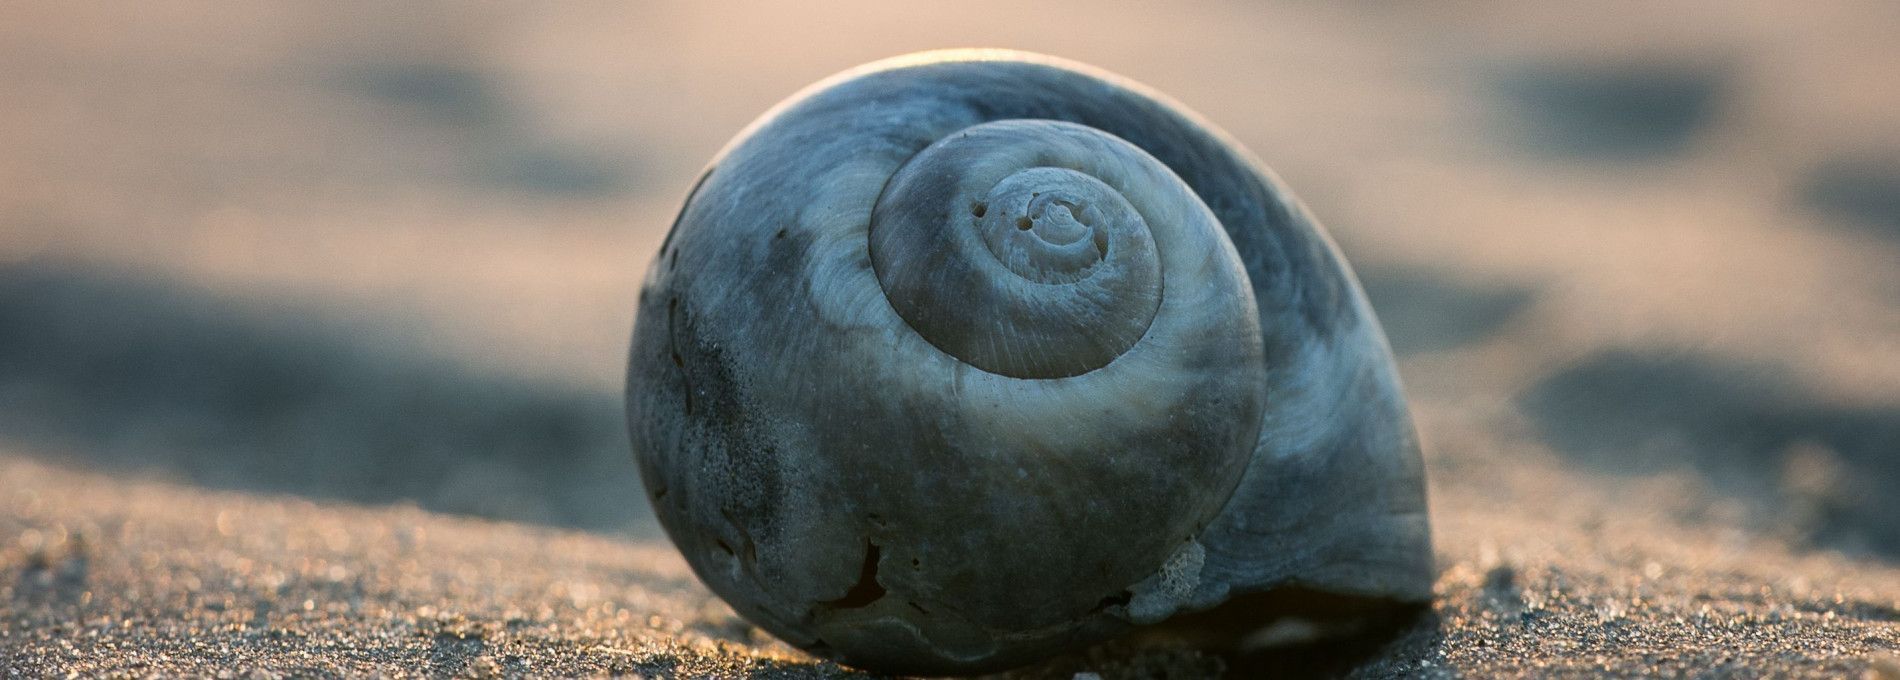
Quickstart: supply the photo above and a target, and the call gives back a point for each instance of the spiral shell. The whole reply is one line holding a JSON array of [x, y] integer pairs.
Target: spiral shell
[[960, 359]]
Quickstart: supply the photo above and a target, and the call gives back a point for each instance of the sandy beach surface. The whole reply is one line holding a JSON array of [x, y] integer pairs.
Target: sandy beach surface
[[312, 321]]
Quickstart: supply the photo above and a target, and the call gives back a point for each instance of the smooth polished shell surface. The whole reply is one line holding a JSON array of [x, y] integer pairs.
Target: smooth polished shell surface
[[961, 359]]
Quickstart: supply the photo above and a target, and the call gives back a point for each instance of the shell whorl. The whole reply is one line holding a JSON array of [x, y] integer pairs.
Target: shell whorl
[[1022, 247], [959, 359]]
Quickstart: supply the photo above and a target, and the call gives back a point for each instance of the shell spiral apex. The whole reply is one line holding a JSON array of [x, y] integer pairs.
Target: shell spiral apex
[[958, 360], [1007, 246]]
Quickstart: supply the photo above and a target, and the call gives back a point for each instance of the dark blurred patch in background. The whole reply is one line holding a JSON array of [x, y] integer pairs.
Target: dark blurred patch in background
[[119, 372], [1616, 111], [1865, 191], [506, 152], [450, 93], [1824, 473], [1425, 313]]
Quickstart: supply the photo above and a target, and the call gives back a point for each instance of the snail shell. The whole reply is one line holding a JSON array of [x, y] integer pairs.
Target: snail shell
[[959, 359]]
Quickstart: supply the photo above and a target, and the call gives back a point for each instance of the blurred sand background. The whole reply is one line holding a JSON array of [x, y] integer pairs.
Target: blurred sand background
[[312, 319]]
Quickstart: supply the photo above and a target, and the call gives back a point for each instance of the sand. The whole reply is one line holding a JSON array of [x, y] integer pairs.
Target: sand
[[106, 576], [312, 322]]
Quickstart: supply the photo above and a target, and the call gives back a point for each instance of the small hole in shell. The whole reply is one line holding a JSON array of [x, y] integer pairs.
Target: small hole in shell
[[1024, 223], [979, 208]]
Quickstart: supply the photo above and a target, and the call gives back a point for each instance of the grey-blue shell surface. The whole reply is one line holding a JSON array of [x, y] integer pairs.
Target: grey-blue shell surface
[[961, 359]]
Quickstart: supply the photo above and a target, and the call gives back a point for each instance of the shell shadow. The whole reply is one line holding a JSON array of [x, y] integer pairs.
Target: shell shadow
[[1423, 312], [1625, 111], [125, 374], [1825, 473], [1285, 633], [1382, 638]]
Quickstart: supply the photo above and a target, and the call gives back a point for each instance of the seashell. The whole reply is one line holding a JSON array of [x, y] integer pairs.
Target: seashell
[[960, 359]]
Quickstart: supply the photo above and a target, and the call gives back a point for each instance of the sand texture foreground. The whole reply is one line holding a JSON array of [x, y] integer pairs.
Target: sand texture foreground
[[139, 578]]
